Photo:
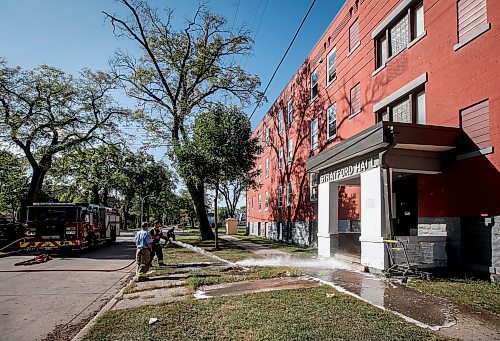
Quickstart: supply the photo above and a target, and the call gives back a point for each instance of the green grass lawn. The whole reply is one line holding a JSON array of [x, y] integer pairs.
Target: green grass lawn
[[294, 249], [319, 313], [473, 292]]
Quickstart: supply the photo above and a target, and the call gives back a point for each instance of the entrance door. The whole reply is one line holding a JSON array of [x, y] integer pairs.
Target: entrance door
[[405, 191]]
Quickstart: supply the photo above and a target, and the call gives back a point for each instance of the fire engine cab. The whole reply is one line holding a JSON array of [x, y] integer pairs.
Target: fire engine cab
[[70, 226]]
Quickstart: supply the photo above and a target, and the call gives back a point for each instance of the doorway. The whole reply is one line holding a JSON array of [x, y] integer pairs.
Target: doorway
[[405, 201]]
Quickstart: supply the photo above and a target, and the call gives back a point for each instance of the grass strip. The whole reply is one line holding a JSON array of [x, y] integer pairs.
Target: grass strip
[[319, 313]]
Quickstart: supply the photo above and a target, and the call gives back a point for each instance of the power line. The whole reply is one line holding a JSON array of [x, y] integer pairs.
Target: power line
[[283, 58], [235, 14]]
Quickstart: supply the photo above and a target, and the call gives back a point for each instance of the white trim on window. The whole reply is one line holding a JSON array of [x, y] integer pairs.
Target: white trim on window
[[331, 66], [406, 89], [314, 134], [331, 119], [267, 168]]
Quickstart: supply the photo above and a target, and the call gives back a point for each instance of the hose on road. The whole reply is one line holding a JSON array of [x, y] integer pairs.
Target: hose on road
[[15, 241], [70, 270]]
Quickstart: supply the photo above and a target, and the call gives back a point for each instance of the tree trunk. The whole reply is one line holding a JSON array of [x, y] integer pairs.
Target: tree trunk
[[216, 214], [105, 196], [198, 196], [95, 195], [34, 190]]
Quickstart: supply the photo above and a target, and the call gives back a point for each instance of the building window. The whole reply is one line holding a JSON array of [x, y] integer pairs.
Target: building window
[[475, 121], [289, 148], [354, 36], [408, 26], [267, 168], [260, 173], [259, 203], [266, 201], [289, 196], [356, 99], [472, 19], [409, 109], [280, 121], [280, 196], [399, 35], [314, 134], [280, 158], [290, 112], [313, 195], [314, 84], [252, 201], [267, 136], [331, 121], [331, 66]]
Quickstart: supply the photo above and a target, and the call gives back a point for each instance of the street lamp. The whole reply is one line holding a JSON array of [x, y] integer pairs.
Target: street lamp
[[142, 207]]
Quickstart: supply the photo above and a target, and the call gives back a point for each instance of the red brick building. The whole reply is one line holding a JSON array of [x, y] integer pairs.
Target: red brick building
[[390, 129]]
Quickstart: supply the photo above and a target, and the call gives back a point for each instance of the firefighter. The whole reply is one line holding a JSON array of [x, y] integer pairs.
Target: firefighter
[[144, 244], [157, 234]]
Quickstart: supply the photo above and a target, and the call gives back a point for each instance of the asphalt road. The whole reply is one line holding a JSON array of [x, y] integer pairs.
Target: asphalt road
[[32, 305]]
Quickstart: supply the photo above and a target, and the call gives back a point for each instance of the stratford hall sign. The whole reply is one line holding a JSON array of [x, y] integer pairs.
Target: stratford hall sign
[[350, 170]]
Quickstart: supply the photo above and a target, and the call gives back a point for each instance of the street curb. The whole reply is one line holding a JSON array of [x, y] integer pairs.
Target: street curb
[[101, 312], [7, 254]]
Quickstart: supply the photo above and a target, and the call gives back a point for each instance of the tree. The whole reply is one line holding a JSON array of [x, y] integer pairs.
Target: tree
[[13, 184], [45, 112], [221, 151], [232, 190], [181, 73]]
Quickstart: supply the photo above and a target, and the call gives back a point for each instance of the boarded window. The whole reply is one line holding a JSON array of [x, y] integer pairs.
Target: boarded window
[[475, 122], [354, 35], [471, 18], [356, 99]]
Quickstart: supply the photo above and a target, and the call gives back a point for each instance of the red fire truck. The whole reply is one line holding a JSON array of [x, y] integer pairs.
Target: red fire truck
[[58, 226]]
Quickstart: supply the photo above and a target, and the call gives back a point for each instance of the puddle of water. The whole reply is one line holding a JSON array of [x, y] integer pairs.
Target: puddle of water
[[253, 286], [423, 310]]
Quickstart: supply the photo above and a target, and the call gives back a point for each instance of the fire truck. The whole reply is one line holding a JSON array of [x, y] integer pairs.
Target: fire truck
[[60, 226]]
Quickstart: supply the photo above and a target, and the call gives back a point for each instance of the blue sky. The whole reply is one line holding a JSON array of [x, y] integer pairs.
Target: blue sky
[[72, 34]]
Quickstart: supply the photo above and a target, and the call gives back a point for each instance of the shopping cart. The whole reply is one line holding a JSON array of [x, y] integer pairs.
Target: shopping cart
[[409, 259]]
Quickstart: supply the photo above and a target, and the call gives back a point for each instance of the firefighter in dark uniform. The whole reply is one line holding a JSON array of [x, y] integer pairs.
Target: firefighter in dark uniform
[[156, 235]]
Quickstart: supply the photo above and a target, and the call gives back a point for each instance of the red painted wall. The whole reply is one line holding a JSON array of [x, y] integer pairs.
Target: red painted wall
[[456, 80]]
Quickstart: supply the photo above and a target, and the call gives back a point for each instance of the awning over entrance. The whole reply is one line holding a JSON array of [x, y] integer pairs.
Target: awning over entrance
[[421, 148]]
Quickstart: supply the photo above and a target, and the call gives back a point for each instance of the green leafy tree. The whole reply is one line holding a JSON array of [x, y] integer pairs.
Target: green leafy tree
[[45, 112], [13, 184], [222, 149], [180, 74]]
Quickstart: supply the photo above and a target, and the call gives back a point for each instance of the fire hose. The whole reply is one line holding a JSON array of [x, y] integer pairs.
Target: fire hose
[[11, 243], [70, 270]]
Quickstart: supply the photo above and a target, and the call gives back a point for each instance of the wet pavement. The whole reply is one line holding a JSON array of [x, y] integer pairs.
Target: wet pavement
[[253, 286]]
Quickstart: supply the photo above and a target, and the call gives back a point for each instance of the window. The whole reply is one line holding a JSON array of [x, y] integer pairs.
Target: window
[[267, 136], [331, 121], [289, 148], [408, 109], [259, 203], [407, 27], [280, 196], [314, 134], [266, 201], [354, 36], [252, 200], [260, 140], [280, 158], [331, 66], [267, 167], [289, 196], [313, 195], [314, 84], [280, 121], [355, 99], [290, 112], [399, 35], [260, 173], [472, 20], [475, 121]]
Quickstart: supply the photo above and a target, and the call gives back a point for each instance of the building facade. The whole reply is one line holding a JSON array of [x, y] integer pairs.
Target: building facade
[[389, 129]]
